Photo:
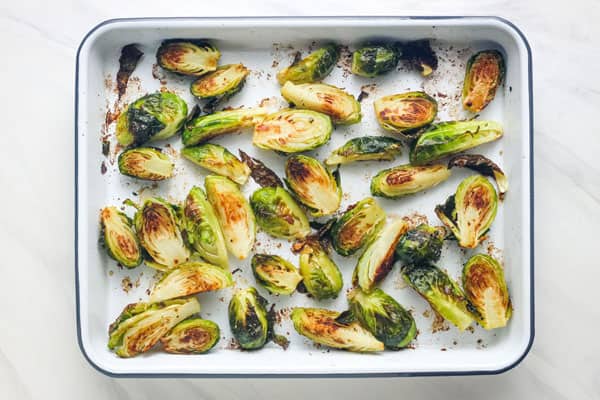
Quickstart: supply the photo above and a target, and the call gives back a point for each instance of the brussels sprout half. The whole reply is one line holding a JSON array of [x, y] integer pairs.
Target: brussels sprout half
[[188, 57], [485, 72], [192, 336], [343, 108], [448, 138], [146, 163], [484, 166], [152, 117], [248, 319], [357, 226], [118, 237], [205, 127], [374, 59], [313, 185], [221, 84], [407, 179], [405, 111], [321, 276], [314, 67], [278, 214], [469, 213], [219, 160], [441, 292], [321, 326], [293, 131], [384, 317], [485, 288], [233, 213], [421, 245], [366, 148], [140, 326], [275, 274], [376, 261], [190, 278]]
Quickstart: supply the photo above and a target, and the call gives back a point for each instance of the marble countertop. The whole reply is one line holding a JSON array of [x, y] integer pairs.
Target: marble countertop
[[39, 356]]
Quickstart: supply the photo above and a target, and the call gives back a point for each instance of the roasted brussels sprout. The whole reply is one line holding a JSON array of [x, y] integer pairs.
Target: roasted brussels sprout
[[312, 68], [448, 138], [275, 274], [118, 237], [421, 245], [357, 226], [374, 59], [152, 117], [219, 160], [205, 127], [321, 277], [485, 288], [384, 317], [233, 213], [157, 227], [366, 148], [407, 179], [261, 174], [343, 108], [405, 111], [313, 185], [146, 163], [469, 213], [321, 326], [248, 319], [278, 214], [293, 131], [192, 336], [221, 84], [441, 292], [190, 278], [484, 166], [202, 230], [188, 57], [377, 259], [141, 325], [485, 72], [420, 56]]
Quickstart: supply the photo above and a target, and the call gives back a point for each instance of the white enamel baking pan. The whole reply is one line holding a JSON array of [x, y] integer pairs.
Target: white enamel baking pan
[[265, 45]]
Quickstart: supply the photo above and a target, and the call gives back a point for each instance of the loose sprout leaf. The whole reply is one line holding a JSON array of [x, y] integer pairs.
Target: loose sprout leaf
[[261, 174], [420, 56], [484, 166], [130, 56]]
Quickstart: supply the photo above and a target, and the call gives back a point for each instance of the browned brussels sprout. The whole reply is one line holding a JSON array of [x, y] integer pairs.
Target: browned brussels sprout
[[366, 148], [248, 319], [221, 84], [205, 127], [275, 274], [321, 276], [278, 214], [219, 160], [484, 166], [485, 72], [421, 245], [146, 163], [407, 179], [357, 226], [188, 57], [192, 336], [405, 111], [119, 238], [314, 67], [374, 59]]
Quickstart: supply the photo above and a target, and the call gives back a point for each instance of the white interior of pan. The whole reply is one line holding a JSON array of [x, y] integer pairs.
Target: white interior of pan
[[258, 43]]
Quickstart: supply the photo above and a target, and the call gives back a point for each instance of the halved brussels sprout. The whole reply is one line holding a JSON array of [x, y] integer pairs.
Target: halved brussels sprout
[[485, 288], [192, 336], [357, 226], [157, 227], [118, 237], [202, 230], [275, 274], [321, 326], [293, 131], [469, 213], [405, 111], [141, 325], [221, 84], [278, 214], [190, 278], [233, 213], [261, 174], [152, 117], [187, 57], [312, 68], [421, 245], [321, 276], [313, 185], [484, 166], [407, 179], [420, 56], [343, 108], [376, 261], [248, 319], [219, 160], [441, 292], [366, 148], [374, 59], [146, 163], [384, 317], [448, 138], [205, 127], [485, 72]]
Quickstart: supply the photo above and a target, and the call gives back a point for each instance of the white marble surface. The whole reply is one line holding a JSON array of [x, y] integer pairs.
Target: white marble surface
[[39, 357]]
